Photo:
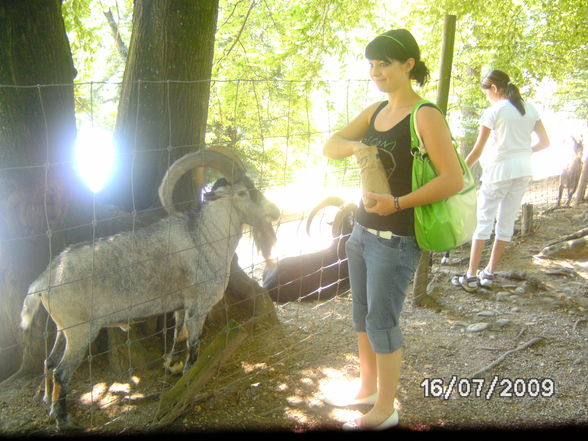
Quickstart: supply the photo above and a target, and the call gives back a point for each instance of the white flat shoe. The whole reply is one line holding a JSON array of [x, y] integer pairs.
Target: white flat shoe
[[342, 402], [391, 421]]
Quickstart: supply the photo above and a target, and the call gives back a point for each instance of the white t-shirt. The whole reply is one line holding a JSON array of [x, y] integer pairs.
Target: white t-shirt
[[508, 153]]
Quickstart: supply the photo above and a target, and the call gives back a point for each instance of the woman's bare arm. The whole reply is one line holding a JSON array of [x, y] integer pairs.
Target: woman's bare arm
[[476, 152], [449, 180], [543, 137], [347, 141]]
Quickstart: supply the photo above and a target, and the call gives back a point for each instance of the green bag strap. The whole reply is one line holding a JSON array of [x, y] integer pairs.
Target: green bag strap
[[416, 144]]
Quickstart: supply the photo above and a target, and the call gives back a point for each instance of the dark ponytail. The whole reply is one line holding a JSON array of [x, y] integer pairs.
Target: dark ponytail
[[514, 96], [420, 73], [502, 82]]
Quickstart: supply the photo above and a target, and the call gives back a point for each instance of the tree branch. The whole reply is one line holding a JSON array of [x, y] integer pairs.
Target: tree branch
[[506, 354], [238, 37], [120, 44]]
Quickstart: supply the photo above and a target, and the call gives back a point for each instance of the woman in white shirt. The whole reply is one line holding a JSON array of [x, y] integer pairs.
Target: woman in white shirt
[[506, 171]]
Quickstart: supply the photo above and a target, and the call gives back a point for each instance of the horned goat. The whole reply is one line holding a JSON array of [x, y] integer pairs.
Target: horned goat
[[570, 175], [318, 275], [179, 262]]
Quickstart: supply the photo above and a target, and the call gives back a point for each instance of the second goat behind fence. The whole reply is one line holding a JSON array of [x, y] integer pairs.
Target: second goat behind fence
[[571, 173], [319, 275]]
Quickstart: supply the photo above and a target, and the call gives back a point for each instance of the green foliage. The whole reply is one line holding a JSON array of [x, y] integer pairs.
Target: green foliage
[[99, 65], [531, 40], [287, 73], [271, 55]]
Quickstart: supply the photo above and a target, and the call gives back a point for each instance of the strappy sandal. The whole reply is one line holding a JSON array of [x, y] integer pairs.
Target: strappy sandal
[[470, 284], [486, 279]]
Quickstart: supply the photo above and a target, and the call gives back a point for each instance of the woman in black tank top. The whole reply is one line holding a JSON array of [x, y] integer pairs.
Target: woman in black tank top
[[382, 250]]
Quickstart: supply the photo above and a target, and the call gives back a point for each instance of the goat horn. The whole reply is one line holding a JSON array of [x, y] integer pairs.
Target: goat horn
[[328, 201], [348, 210], [218, 158]]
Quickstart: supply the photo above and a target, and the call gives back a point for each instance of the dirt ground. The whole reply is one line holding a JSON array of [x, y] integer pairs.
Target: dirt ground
[[530, 339]]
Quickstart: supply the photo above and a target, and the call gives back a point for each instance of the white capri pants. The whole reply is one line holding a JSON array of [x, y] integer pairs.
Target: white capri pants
[[499, 201]]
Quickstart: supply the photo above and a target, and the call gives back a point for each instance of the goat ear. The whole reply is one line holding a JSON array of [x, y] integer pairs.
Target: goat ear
[[212, 194], [221, 182]]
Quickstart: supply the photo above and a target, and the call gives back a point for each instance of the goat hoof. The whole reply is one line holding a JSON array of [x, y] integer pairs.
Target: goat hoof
[[171, 366], [61, 418], [176, 369]]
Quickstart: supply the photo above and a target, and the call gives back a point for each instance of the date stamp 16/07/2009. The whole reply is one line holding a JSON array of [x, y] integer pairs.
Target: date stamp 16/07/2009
[[482, 388]]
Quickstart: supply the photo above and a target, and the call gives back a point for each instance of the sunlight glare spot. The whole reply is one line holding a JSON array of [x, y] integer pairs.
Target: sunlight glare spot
[[120, 387], [333, 373], [108, 400], [339, 387], [294, 400], [97, 391], [249, 367], [94, 157]]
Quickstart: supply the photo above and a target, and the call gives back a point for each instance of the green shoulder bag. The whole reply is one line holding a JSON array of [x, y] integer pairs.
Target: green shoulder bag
[[447, 223]]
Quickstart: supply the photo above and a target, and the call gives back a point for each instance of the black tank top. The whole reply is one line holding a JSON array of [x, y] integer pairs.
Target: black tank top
[[394, 149]]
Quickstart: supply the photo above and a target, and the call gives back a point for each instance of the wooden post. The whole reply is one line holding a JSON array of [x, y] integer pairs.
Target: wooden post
[[527, 219], [582, 183], [446, 62], [421, 277]]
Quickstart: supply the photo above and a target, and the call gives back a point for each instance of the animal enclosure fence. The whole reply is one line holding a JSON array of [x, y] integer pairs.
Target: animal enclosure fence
[[277, 128]]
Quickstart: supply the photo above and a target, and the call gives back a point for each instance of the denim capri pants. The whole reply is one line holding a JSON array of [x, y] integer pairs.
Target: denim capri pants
[[380, 270]]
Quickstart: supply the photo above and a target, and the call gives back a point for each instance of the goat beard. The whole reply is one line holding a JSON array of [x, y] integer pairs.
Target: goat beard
[[264, 237]]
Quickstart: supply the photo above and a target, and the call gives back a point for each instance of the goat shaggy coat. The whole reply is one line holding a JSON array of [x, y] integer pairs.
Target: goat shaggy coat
[[177, 263]]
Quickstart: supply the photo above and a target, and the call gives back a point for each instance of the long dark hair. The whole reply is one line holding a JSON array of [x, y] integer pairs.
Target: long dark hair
[[502, 82], [398, 44]]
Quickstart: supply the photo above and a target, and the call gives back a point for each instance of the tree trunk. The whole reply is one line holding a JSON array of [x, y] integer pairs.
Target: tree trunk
[[120, 44], [43, 205], [164, 99], [421, 279], [163, 106], [37, 132], [581, 191]]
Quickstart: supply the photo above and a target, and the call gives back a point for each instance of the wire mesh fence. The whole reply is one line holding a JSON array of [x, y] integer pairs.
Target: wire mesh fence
[[278, 128]]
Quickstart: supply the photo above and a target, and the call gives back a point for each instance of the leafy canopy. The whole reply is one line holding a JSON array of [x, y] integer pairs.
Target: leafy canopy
[[286, 74]]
